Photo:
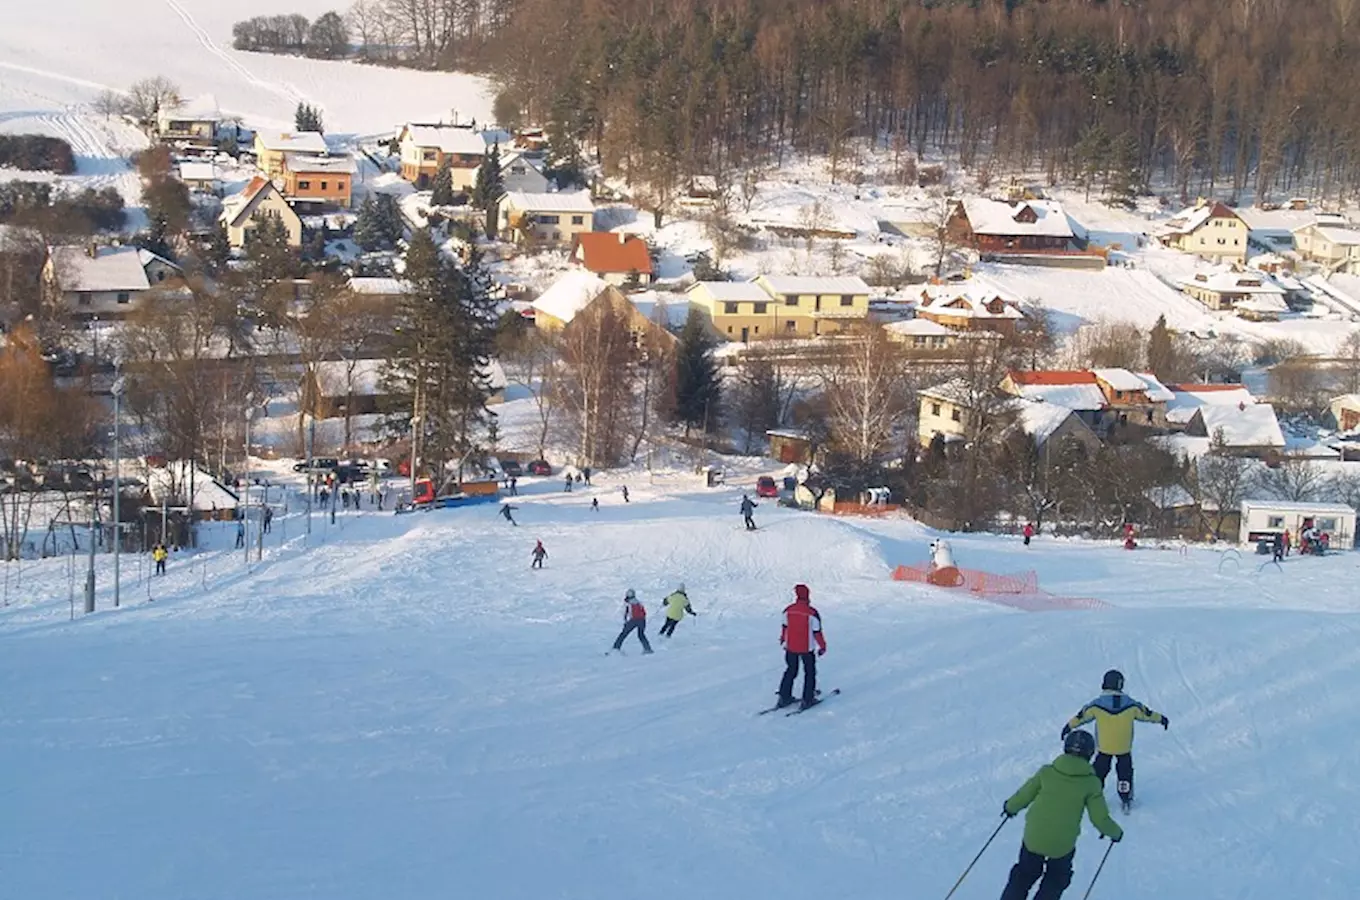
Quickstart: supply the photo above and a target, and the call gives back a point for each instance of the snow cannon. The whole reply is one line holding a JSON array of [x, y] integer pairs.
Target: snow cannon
[[943, 572]]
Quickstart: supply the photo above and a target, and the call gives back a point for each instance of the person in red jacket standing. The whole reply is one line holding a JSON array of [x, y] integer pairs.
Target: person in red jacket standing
[[802, 627], [634, 619]]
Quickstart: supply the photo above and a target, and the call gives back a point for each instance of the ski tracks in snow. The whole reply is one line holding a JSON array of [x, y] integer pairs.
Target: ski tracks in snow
[[286, 91]]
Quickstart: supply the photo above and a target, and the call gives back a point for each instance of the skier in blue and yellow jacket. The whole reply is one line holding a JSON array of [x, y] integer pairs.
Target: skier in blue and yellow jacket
[[1114, 713]]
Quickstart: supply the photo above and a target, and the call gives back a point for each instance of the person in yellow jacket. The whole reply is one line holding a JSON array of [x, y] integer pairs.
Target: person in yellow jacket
[[159, 554], [676, 605], [1114, 713]]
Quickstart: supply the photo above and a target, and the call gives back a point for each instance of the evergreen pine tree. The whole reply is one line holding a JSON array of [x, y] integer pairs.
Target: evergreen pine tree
[[1160, 351], [219, 247], [388, 215], [307, 117], [1125, 178], [367, 233], [156, 237], [490, 188], [698, 386], [441, 188], [1092, 154]]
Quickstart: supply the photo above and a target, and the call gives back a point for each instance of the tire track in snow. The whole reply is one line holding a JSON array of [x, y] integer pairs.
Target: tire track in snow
[[286, 91]]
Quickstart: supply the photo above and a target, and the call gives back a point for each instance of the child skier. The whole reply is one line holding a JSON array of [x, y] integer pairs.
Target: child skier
[[540, 553], [634, 619], [1114, 713], [1056, 796], [159, 554], [747, 509], [677, 604], [1028, 532], [802, 626], [506, 511]]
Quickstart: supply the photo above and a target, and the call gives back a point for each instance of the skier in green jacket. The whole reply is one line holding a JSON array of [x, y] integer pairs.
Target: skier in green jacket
[[1056, 796]]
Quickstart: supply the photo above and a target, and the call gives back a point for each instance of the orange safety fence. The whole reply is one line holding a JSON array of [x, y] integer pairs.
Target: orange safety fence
[[1019, 591]]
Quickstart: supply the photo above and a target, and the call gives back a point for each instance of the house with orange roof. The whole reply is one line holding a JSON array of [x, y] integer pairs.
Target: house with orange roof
[[1103, 398], [1210, 230], [242, 213], [617, 258]]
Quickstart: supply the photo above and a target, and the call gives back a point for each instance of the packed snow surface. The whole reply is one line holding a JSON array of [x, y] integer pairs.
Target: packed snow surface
[[396, 706]]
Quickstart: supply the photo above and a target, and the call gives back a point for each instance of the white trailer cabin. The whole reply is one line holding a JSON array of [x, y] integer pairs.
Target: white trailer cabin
[[1267, 518]]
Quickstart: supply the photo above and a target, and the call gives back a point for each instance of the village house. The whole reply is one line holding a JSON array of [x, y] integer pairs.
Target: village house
[[521, 173], [200, 175], [1331, 243], [1211, 231], [358, 387], [318, 181], [273, 147], [810, 305], [577, 291], [1024, 226], [1250, 293], [614, 256], [425, 149], [945, 412], [1104, 399], [1186, 399], [735, 310], [104, 282], [1247, 429], [196, 122], [260, 198], [1345, 411], [547, 218], [923, 335], [1053, 426], [968, 307]]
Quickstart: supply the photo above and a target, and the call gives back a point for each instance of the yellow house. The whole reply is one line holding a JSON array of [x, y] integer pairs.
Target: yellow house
[[243, 212], [1332, 243], [805, 306], [576, 291], [271, 148], [426, 148], [944, 411], [555, 218], [1210, 231], [736, 310]]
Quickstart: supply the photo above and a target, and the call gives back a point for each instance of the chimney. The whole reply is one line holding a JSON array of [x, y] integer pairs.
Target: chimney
[[623, 238]]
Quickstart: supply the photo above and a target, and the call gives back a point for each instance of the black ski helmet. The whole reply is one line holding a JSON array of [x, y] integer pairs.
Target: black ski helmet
[[1079, 743], [1113, 681]]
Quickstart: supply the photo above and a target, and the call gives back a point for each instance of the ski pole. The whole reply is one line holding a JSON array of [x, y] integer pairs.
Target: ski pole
[[1086, 895], [1004, 820]]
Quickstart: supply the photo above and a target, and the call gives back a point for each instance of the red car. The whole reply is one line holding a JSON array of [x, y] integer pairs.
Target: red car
[[766, 487], [539, 467]]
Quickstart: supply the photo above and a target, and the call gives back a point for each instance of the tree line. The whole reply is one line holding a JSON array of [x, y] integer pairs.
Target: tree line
[[1215, 98], [327, 37], [36, 153]]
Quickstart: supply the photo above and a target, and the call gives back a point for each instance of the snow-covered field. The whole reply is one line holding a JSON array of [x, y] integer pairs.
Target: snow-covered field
[[400, 707]]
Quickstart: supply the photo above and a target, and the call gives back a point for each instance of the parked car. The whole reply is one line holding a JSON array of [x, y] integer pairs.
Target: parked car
[[350, 474], [512, 468], [540, 467], [766, 487], [319, 464]]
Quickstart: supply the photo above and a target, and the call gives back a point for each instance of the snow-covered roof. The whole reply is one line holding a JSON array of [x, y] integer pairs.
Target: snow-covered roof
[[1074, 394], [1183, 445], [563, 201], [1120, 379], [1156, 391], [816, 284], [969, 300], [373, 285], [1347, 237], [202, 108], [955, 390], [1000, 218], [209, 494], [1263, 304], [109, 269], [1040, 419], [236, 207], [191, 170], [460, 139], [733, 291], [1186, 399], [1188, 220], [648, 303], [1229, 279], [1246, 425], [917, 328], [570, 294], [294, 141], [307, 162]]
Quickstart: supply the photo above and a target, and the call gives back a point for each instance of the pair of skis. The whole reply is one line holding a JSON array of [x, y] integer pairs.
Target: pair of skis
[[821, 698]]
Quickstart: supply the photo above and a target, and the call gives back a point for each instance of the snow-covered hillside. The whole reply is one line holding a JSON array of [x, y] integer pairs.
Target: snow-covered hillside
[[402, 708], [55, 58]]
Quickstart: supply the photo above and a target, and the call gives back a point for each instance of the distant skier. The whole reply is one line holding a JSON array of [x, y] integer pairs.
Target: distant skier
[[1056, 796], [624, 488], [1277, 547], [594, 504], [506, 510], [1028, 532], [801, 627], [586, 473], [1286, 542], [1114, 713], [268, 519], [539, 554], [514, 486], [634, 619], [240, 533], [159, 554], [567, 487], [748, 508], [677, 604]]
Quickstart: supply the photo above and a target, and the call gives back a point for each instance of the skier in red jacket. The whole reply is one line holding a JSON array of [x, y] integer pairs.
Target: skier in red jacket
[[802, 627]]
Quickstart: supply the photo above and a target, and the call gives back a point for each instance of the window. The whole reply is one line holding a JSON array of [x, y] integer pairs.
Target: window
[[1326, 524], [304, 185], [757, 329], [83, 299], [934, 408], [730, 309], [729, 329], [847, 301], [557, 235], [790, 326], [428, 155], [160, 276], [790, 301], [323, 185], [339, 185], [760, 308], [123, 297], [547, 220], [1275, 521], [956, 414], [578, 220]]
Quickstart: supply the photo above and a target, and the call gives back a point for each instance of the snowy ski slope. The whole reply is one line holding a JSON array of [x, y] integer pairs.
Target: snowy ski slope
[[404, 709]]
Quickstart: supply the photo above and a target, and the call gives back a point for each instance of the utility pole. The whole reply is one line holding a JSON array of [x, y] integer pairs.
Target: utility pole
[[89, 574], [415, 421], [245, 507], [311, 475], [118, 386]]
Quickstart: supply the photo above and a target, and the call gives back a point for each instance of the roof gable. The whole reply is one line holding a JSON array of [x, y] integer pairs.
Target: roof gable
[[604, 251]]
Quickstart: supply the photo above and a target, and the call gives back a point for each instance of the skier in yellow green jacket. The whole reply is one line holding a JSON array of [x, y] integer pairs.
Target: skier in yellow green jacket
[[1057, 796], [676, 605], [1114, 713]]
